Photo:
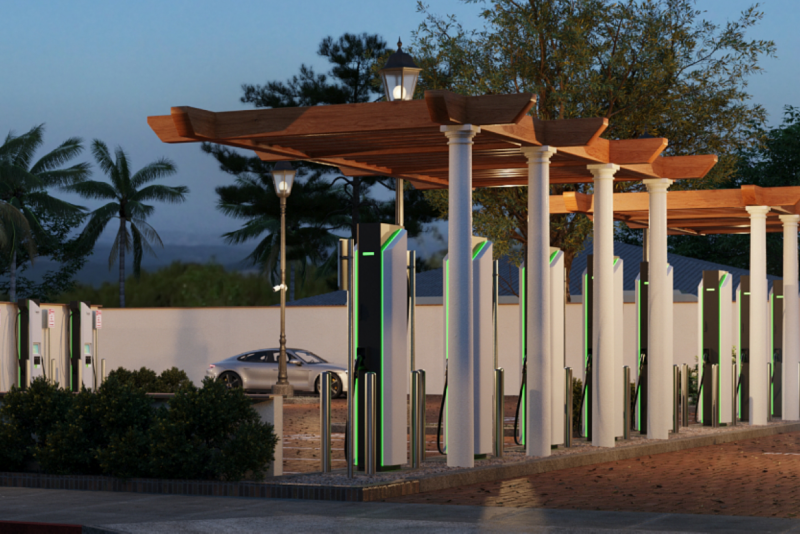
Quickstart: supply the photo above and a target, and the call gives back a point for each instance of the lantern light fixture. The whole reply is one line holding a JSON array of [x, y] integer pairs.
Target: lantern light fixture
[[283, 173], [400, 75]]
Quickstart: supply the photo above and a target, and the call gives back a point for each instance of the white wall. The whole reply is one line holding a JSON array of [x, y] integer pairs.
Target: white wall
[[192, 338]]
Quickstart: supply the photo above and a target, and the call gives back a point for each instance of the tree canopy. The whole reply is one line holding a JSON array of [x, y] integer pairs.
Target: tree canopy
[[650, 66]]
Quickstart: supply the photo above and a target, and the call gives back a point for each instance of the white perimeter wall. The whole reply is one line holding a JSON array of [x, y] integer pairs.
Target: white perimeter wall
[[192, 338]]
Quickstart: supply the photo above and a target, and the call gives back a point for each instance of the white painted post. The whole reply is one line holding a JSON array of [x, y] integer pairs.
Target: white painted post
[[539, 387], [460, 408], [659, 301], [603, 414], [759, 393], [791, 319]]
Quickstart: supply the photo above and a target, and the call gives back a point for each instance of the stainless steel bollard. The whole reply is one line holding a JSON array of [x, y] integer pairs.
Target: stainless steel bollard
[[417, 418], [499, 412], [676, 413], [370, 423], [734, 375], [769, 392], [685, 394], [325, 421], [568, 407], [714, 396]]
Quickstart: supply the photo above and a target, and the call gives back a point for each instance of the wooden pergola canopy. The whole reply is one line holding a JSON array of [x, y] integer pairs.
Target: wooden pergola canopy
[[402, 139], [703, 212]]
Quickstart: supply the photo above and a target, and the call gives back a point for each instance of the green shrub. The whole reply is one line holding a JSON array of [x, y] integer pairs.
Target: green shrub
[[102, 433], [210, 432], [27, 420], [169, 381]]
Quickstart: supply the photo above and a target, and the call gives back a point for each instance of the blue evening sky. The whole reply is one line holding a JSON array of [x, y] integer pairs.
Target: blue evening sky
[[97, 69]]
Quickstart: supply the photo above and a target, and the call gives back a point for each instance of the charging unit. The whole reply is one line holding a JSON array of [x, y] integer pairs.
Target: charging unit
[[587, 278], [381, 306], [642, 324], [714, 296], [776, 347], [29, 343], [83, 367], [557, 303], [743, 353], [483, 344]]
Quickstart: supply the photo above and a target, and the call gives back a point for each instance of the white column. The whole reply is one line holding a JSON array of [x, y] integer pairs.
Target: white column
[[540, 361], [460, 408], [659, 365], [759, 392], [603, 344], [791, 320]]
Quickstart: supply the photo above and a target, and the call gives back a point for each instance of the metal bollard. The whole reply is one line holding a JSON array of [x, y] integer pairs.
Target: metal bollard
[[417, 418], [769, 392], [370, 423], [685, 394], [714, 396], [499, 412], [734, 375], [568, 407], [325, 420], [676, 380], [626, 402]]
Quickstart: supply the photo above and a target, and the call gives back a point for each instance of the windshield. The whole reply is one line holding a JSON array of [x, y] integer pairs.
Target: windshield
[[309, 357]]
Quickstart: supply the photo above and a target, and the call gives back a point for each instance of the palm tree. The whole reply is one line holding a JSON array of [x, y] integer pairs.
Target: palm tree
[[23, 191], [127, 196], [309, 229]]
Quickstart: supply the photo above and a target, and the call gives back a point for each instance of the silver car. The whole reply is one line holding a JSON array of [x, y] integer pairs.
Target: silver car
[[258, 371]]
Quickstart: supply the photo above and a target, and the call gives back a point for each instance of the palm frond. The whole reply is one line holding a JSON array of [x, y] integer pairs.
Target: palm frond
[[62, 177], [160, 168], [148, 232], [104, 159], [67, 150], [163, 193], [29, 143], [93, 190]]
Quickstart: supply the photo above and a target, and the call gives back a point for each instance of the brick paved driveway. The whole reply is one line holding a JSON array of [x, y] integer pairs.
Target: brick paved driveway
[[758, 477]]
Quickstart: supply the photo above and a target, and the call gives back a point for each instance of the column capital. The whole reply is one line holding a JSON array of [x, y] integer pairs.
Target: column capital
[[757, 211], [789, 219], [603, 170], [657, 184], [538, 154], [460, 132]]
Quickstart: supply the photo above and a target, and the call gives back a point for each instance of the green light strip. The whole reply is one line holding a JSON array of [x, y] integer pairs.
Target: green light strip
[[700, 361], [719, 367], [385, 246], [585, 342], [19, 348], [553, 255], [446, 339], [772, 351], [523, 294], [369, 253], [739, 352], [478, 248], [355, 348]]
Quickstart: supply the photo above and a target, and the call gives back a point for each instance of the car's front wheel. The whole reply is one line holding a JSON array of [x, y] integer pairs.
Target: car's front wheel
[[230, 379], [336, 386]]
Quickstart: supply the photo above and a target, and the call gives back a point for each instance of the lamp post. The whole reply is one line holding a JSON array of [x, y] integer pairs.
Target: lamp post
[[283, 173]]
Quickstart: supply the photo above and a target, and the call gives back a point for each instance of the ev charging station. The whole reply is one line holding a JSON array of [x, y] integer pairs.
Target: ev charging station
[[29, 343], [743, 354], [714, 296], [587, 278], [776, 347], [483, 344], [83, 367], [381, 302], [557, 303]]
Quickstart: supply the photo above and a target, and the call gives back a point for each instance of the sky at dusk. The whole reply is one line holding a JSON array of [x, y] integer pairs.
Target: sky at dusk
[[97, 69]]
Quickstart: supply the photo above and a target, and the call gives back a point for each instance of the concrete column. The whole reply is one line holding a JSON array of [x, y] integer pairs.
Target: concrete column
[[460, 408], [540, 361], [791, 320], [603, 412], [759, 392], [659, 365]]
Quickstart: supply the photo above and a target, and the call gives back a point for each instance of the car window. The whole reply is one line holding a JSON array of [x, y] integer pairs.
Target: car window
[[269, 356], [309, 357], [251, 357]]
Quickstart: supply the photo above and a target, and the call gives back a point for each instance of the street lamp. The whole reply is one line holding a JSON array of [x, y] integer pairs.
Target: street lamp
[[400, 75], [283, 173]]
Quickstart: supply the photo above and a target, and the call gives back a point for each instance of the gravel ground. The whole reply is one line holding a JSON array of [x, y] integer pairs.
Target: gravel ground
[[302, 446]]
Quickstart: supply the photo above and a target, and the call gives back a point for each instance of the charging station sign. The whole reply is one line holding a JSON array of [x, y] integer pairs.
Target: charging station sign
[[98, 319], [51, 318]]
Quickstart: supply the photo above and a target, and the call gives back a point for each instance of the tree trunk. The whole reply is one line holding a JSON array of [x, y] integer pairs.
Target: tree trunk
[[291, 282], [122, 242], [12, 278]]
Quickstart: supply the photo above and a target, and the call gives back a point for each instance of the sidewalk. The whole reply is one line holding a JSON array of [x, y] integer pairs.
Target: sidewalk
[[156, 514]]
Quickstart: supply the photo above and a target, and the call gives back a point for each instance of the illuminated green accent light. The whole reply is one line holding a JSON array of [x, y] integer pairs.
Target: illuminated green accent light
[[446, 339], [522, 298], [639, 351], [553, 256], [616, 260], [719, 367], [700, 362], [478, 248], [709, 289], [367, 253], [647, 283], [355, 372], [779, 296], [739, 353], [19, 349], [772, 352], [383, 351], [585, 339], [746, 292]]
